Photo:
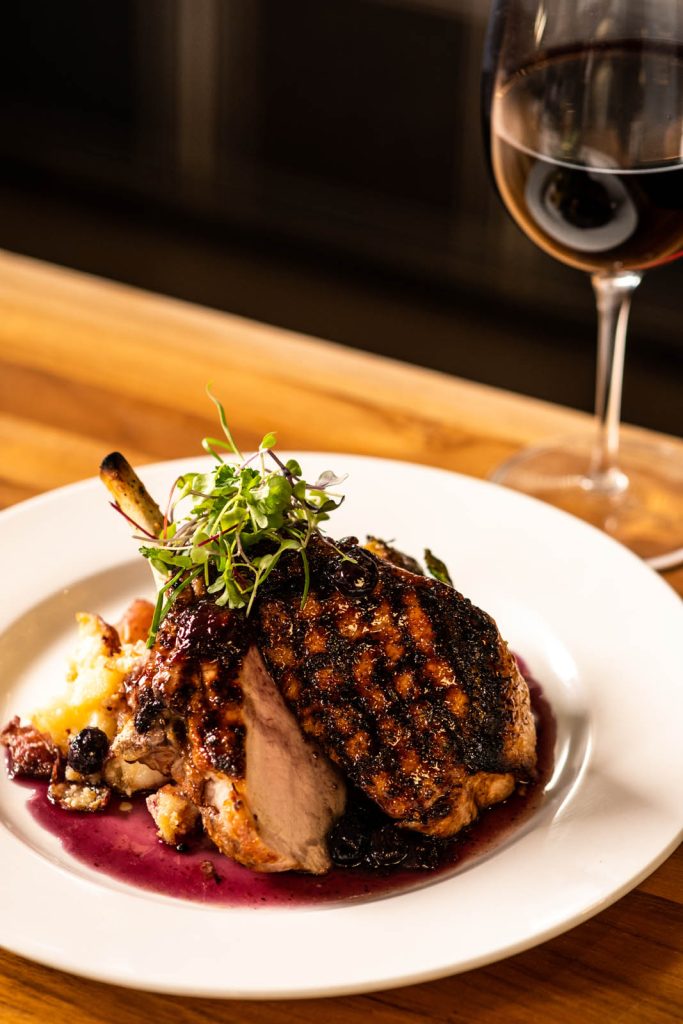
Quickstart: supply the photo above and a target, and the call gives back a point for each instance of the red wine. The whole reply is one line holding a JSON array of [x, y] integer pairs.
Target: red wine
[[587, 154]]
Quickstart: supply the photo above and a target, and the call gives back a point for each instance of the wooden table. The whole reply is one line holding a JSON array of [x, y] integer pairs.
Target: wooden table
[[87, 366]]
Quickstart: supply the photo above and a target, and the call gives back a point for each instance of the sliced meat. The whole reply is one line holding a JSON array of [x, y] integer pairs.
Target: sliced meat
[[276, 816], [402, 681], [266, 795]]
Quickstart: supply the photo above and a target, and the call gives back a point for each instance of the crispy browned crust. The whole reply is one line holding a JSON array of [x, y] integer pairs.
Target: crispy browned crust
[[192, 683], [192, 673], [391, 554], [192, 679], [404, 683], [408, 686]]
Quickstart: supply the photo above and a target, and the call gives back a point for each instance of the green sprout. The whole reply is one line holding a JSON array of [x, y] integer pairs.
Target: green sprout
[[242, 517]]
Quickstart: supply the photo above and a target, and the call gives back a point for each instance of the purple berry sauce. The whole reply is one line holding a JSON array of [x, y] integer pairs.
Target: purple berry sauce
[[123, 845]]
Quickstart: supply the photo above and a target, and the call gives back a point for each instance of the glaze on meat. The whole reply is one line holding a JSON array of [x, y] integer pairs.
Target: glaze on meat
[[206, 713], [403, 682], [251, 724]]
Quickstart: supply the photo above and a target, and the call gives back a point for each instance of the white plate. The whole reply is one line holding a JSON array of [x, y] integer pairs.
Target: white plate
[[600, 631]]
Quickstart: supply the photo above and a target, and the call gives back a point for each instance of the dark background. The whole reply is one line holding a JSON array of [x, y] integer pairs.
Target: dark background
[[315, 164]]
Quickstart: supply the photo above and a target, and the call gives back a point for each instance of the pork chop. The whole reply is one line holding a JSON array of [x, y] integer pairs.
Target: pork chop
[[266, 794], [402, 681]]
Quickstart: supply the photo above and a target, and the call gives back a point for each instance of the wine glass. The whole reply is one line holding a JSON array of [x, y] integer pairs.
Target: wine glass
[[583, 112]]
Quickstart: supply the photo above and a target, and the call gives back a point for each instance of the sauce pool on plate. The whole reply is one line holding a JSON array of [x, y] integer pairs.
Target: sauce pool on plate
[[121, 842]]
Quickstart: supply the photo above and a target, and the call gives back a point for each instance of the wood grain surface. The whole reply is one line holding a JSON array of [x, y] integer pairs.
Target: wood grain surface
[[88, 366]]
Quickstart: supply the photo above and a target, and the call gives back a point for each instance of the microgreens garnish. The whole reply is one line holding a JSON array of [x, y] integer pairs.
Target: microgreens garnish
[[437, 568], [242, 517]]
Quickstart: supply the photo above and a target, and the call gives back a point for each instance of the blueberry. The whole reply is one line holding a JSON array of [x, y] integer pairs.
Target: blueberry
[[87, 751], [425, 855], [387, 847], [354, 577], [347, 844]]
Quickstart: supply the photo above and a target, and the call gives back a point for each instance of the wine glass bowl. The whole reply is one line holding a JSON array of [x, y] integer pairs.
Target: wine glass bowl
[[584, 120]]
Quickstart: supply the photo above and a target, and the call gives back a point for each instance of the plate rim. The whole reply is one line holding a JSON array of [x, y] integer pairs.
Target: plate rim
[[101, 973]]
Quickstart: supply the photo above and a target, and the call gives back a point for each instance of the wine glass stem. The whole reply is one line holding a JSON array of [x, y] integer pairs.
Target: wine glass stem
[[613, 294]]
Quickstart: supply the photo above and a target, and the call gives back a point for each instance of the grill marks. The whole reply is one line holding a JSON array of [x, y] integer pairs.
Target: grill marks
[[193, 671], [343, 694], [480, 660], [405, 686], [401, 681], [266, 796]]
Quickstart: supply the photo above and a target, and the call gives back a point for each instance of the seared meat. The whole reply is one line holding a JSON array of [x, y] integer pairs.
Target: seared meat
[[244, 721], [276, 815], [266, 795], [391, 554], [402, 681]]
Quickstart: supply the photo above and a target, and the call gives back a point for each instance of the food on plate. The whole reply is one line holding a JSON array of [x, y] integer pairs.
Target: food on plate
[[283, 682], [92, 692], [402, 682], [204, 710]]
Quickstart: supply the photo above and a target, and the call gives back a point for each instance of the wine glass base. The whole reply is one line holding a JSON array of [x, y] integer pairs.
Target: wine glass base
[[640, 504]]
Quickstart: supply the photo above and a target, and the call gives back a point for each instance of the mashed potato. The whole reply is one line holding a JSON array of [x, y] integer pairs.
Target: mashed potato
[[92, 692]]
